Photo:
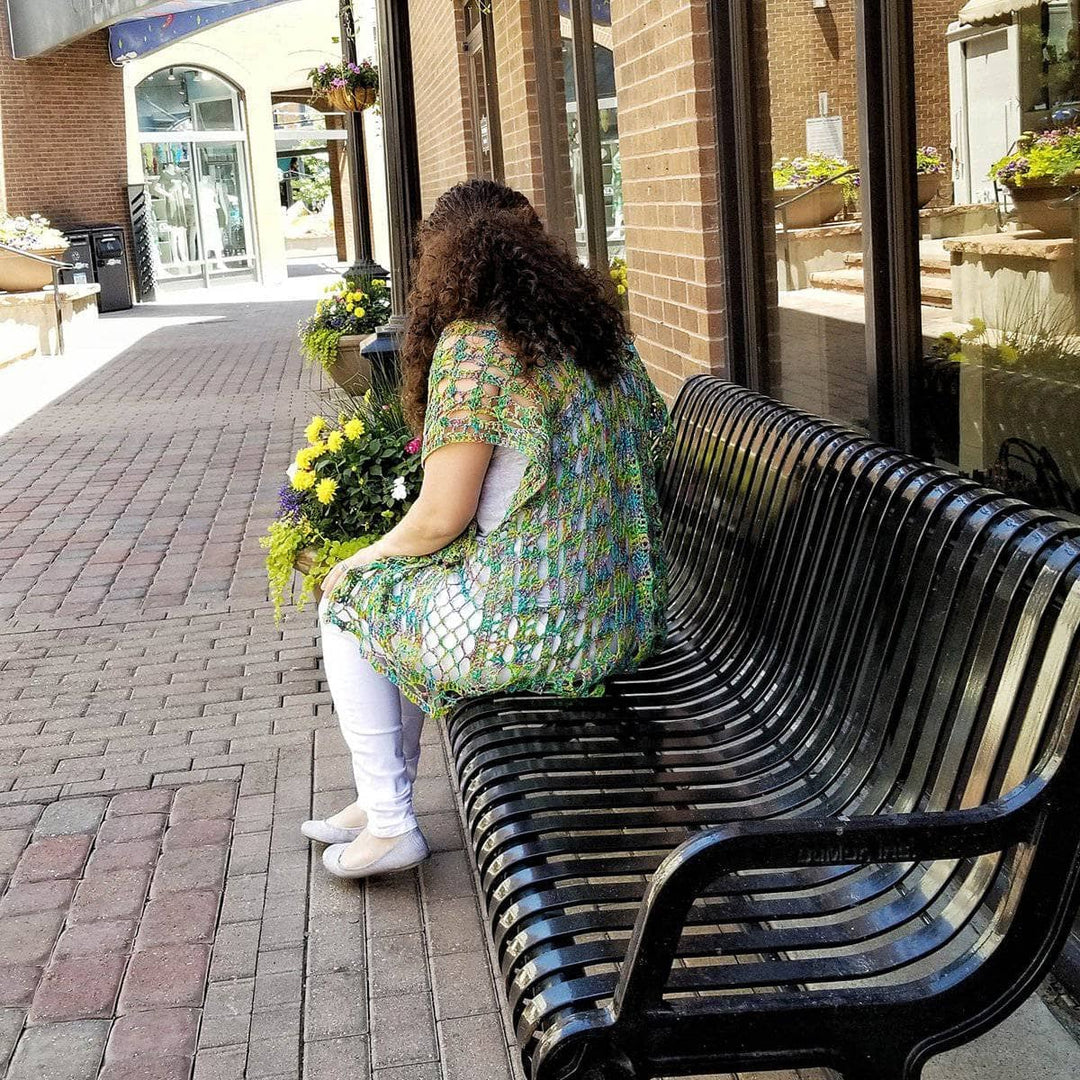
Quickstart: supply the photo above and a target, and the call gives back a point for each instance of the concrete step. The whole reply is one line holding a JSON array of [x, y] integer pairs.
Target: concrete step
[[936, 290], [934, 260]]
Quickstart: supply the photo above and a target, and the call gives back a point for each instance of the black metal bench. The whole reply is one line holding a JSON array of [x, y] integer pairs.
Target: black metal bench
[[836, 821]]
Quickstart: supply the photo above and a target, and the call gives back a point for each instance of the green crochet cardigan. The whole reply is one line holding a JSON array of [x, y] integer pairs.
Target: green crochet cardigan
[[571, 586]]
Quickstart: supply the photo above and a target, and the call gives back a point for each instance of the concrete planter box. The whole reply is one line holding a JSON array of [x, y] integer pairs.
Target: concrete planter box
[[21, 274], [821, 205], [352, 370], [1034, 209]]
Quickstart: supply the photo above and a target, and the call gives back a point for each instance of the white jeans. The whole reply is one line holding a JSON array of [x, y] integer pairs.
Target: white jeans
[[381, 727]]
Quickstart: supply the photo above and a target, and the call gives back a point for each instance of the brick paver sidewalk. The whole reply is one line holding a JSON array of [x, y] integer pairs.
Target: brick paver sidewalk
[[161, 738]]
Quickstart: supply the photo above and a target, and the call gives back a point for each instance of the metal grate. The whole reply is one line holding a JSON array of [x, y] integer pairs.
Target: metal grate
[[145, 284]]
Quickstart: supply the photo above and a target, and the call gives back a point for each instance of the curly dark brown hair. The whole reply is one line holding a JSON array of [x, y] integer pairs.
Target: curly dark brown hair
[[482, 253]]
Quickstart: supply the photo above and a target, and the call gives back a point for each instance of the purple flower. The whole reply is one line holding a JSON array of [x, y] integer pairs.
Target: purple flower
[[290, 502]]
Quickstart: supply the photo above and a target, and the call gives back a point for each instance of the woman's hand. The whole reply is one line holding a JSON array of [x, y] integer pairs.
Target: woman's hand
[[364, 557]]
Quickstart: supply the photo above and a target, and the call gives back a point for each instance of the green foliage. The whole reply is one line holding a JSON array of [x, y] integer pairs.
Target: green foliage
[[313, 186], [355, 480], [1032, 336], [804, 172], [351, 306], [928, 161], [344, 76], [1049, 157]]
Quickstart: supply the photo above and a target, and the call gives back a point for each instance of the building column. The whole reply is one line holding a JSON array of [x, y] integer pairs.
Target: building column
[[402, 170]]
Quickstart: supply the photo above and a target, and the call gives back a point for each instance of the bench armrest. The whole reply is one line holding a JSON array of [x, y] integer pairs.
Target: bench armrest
[[793, 842]]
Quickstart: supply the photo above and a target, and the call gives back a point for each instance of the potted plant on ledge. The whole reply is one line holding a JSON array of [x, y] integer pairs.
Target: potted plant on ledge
[[33, 235], [350, 484], [833, 181], [1040, 173], [930, 169], [345, 87], [335, 335]]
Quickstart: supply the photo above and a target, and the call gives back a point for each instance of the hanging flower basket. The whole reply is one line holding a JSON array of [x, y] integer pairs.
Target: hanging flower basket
[[345, 87]]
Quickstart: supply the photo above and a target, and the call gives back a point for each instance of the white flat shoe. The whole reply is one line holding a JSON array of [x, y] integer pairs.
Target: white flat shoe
[[410, 850], [321, 830]]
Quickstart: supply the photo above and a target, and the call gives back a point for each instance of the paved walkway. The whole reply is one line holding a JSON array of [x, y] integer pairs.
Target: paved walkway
[[161, 738]]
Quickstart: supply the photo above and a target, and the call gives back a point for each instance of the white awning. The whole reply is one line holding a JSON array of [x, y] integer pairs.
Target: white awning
[[39, 26], [975, 12]]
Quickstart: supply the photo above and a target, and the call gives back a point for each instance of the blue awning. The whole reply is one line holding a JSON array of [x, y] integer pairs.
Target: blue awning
[[38, 27], [165, 23]]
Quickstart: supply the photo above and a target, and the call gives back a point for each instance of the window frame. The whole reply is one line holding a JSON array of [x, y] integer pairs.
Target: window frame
[[885, 73]]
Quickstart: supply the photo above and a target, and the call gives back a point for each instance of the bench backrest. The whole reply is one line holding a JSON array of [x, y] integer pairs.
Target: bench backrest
[[919, 632]]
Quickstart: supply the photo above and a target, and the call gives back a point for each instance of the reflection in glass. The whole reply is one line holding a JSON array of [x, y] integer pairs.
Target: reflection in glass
[[818, 346], [997, 394], [195, 167], [608, 124], [187, 99]]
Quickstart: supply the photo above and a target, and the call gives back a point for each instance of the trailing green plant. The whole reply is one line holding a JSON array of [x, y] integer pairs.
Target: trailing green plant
[[1048, 157], [1033, 336], [351, 483], [811, 169], [350, 306]]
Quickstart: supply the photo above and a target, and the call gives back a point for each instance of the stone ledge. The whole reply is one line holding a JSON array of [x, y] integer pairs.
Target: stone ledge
[[1012, 246], [68, 294]]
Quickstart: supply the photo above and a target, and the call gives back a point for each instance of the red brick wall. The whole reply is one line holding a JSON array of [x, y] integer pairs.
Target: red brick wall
[[813, 49], [519, 116], [663, 72], [443, 113], [63, 133]]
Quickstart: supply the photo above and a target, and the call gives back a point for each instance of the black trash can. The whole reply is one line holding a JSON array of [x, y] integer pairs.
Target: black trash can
[[111, 267], [80, 256]]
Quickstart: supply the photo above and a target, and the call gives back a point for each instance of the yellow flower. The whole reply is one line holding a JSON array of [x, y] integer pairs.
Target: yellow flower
[[354, 428], [620, 289], [335, 441], [304, 480], [317, 449], [304, 457], [314, 429], [379, 283], [324, 491], [1009, 354], [359, 312]]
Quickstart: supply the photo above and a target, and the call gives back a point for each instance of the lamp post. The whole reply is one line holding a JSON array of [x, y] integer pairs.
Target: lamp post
[[402, 170], [364, 264]]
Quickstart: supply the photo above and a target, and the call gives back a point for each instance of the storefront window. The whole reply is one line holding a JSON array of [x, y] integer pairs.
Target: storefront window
[[998, 391], [591, 117], [195, 164], [483, 95], [812, 220]]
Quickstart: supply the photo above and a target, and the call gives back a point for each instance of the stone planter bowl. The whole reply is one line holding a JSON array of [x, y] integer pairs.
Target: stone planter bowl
[[929, 186], [19, 274], [820, 206], [305, 559], [352, 370], [1033, 210]]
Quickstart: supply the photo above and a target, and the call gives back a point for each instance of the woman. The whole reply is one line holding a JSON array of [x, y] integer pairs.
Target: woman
[[530, 560]]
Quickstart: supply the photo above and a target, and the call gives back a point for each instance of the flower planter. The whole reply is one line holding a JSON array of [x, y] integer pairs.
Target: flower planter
[[344, 100], [819, 206], [929, 186], [19, 274], [1034, 209], [352, 369], [305, 559]]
